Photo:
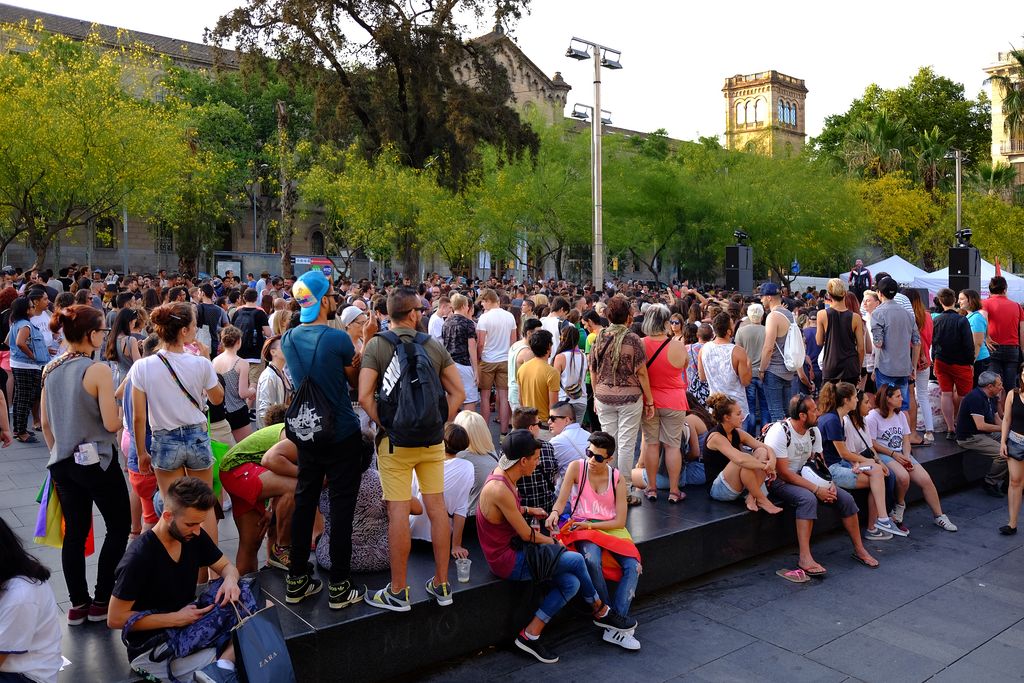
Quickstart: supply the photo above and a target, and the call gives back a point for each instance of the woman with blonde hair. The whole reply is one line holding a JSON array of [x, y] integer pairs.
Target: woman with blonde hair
[[840, 333], [480, 452]]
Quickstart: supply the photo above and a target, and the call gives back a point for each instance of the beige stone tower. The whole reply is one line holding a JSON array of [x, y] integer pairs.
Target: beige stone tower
[[764, 113]]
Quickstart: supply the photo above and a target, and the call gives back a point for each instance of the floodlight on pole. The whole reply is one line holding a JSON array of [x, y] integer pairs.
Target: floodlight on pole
[[608, 58], [584, 112]]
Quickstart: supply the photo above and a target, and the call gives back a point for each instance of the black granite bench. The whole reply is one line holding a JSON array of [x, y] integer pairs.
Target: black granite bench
[[677, 542]]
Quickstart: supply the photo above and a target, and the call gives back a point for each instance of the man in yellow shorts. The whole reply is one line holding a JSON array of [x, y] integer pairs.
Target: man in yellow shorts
[[397, 463]]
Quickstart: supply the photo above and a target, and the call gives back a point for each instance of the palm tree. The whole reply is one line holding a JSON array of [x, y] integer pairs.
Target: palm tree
[[1011, 84], [930, 151], [875, 147], [994, 179]]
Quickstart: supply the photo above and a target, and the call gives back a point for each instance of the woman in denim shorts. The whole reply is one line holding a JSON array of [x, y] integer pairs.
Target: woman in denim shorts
[[171, 386]]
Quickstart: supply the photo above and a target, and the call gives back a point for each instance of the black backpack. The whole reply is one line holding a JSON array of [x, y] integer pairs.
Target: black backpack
[[411, 404], [309, 420], [252, 334]]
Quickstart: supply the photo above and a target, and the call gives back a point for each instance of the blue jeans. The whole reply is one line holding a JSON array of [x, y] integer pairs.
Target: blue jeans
[[627, 586], [777, 392], [881, 379], [187, 447], [757, 404], [570, 577]]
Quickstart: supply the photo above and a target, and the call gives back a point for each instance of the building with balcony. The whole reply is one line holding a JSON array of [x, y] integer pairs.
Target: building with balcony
[[1007, 148]]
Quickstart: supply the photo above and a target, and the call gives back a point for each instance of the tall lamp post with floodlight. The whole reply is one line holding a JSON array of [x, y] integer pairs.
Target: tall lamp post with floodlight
[[608, 58]]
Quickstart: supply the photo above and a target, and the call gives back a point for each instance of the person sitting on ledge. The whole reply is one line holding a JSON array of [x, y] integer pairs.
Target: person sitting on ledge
[[504, 533], [731, 469], [458, 482], [978, 427], [596, 528], [158, 573], [794, 440]]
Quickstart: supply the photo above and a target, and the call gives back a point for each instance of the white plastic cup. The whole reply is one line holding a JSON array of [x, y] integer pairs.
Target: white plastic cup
[[462, 569]]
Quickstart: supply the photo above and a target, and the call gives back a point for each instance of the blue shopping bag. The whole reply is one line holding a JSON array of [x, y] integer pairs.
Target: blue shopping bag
[[261, 655]]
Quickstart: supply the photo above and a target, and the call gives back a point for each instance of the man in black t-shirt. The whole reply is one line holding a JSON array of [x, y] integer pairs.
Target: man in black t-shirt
[[978, 426], [158, 573], [254, 324]]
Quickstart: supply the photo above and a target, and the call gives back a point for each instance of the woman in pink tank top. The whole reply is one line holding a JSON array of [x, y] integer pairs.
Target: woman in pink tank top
[[596, 494], [504, 534]]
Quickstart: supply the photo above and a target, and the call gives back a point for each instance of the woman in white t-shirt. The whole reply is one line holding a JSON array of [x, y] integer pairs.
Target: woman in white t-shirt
[[29, 618], [859, 441], [890, 434], [171, 386]]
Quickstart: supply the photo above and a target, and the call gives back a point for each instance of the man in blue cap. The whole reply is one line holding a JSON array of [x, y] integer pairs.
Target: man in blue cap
[[328, 354]]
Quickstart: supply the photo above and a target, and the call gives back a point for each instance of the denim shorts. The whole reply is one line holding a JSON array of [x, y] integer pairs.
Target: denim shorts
[[843, 475], [887, 459], [720, 489], [187, 447]]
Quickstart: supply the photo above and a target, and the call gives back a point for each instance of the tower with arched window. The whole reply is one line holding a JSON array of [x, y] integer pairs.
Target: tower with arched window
[[765, 113]]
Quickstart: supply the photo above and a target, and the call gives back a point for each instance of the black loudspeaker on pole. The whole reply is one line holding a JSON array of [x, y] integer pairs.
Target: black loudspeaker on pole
[[739, 268], [964, 269]]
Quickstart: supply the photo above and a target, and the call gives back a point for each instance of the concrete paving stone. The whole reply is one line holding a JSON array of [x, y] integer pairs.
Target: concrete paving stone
[[761, 661], [27, 513], [20, 497], [27, 479], [692, 639], [968, 669], [30, 465], [796, 629], [6, 484], [12, 519], [876, 659]]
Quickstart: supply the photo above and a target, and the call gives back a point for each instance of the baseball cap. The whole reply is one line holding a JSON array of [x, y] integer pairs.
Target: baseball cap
[[769, 289], [888, 287], [349, 314], [519, 444], [308, 290]]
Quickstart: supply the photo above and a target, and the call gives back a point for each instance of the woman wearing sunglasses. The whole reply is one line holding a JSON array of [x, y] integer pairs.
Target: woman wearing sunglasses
[[596, 528]]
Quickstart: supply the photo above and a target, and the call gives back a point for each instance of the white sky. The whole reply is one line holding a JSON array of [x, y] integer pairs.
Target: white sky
[[676, 54]]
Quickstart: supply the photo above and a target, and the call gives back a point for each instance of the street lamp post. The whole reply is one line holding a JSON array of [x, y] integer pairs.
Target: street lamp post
[[608, 58], [256, 189]]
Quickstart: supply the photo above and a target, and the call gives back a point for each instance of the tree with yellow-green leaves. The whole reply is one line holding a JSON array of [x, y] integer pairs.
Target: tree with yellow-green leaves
[[81, 139], [905, 218]]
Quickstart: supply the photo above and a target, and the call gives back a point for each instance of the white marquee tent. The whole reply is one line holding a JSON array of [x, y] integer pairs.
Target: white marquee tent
[[933, 282], [898, 268]]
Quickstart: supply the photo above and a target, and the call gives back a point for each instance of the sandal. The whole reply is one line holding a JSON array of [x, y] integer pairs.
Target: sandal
[[27, 438], [651, 494], [632, 499], [794, 575], [865, 562], [674, 498], [816, 573]]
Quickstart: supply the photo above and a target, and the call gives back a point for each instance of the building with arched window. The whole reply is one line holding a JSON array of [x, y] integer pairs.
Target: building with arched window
[[764, 113]]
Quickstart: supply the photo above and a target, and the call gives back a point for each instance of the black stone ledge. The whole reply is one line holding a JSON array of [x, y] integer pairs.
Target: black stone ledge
[[677, 542]]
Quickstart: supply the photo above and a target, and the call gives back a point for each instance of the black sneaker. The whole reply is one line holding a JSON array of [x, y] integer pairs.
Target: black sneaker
[[536, 648], [615, 621], [343, 594], [301, 587]]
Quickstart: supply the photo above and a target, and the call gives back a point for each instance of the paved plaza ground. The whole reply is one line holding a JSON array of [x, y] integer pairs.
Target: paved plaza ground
[[942, 607]]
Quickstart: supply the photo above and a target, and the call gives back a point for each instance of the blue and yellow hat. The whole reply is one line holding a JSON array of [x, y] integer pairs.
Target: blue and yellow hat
[[308, 290]]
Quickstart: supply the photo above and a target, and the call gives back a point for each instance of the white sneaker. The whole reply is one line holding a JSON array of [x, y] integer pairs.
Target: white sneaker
[[623, 639], [943, 521], [890, 527], [896, 514]]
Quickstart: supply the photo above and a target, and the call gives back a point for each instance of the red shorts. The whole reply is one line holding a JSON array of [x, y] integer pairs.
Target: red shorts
[[949, 375], [144, 486], [244, 486]]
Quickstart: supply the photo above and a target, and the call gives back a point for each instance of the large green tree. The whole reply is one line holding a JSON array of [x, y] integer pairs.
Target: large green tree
[[80, 139], [926, 102], [387, 70]]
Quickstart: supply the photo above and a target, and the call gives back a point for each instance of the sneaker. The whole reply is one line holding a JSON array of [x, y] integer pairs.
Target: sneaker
[[896, 514], [279, 556], [442, 593], [615, 621], [344, 593], [903, 527], [98, 612], [301, 587], [211, 673], [943, 521], [623, 639], [950, 436], [385, 599], [889, 526], [876, 535], [78, 615], [536, 648], [929, 438]]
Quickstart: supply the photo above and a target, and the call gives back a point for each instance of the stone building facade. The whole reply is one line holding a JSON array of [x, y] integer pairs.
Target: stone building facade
[[764, 112], [1006, 148]]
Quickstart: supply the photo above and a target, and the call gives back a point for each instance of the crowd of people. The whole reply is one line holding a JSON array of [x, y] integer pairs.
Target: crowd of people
[[348, 421]]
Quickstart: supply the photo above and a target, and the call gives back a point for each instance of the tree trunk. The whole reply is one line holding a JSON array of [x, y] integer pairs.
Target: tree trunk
[[410, 256], [39, 238], [187, 265], [558, 262], [287, 192]]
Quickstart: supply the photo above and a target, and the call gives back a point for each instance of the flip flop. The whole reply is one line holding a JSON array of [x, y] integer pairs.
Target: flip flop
[[675, 498], [812, 573], [864, 562], [794, 575]]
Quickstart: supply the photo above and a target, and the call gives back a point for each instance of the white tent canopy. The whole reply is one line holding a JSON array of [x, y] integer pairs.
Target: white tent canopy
[[898, 268], [933, 282]]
